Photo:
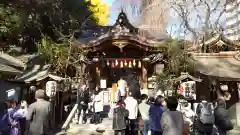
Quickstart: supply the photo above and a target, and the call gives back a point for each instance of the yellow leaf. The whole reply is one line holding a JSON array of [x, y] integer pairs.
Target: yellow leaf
[[100, 11]]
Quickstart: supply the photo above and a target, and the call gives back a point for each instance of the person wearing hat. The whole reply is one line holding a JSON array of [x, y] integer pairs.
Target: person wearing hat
[[39, 115]]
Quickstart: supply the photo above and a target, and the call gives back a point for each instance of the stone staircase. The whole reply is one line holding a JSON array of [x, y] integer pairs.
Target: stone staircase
[[105, 128], [71, 126]]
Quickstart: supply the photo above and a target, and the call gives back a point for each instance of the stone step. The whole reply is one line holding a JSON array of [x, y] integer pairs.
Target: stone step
[[104, 128]]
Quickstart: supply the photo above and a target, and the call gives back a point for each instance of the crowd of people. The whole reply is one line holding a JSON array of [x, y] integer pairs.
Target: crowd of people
[[22, 119], [145, 115], [170, 116]]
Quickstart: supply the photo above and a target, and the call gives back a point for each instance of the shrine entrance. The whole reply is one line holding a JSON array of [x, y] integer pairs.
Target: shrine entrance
[[121, 50], [121, 68]]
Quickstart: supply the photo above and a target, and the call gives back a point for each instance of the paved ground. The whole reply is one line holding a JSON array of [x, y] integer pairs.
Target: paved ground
[[235, 131]]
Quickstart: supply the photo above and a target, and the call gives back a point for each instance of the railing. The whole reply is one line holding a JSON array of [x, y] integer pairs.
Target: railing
[[70, 117]]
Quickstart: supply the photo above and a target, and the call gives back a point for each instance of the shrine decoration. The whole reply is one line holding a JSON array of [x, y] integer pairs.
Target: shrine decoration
[[134, 63], [130, 64], [139, 64], [121, 64], [116, 62], [124, 63], [112, 64]]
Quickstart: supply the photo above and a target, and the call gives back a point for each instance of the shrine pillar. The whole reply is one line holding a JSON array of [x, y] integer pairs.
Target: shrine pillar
[[144, 77]]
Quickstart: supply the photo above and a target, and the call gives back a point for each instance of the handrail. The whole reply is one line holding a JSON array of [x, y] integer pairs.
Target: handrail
[[70, 116]]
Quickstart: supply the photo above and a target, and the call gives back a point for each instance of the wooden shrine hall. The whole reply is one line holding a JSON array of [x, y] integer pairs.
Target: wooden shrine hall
[[121, 50]]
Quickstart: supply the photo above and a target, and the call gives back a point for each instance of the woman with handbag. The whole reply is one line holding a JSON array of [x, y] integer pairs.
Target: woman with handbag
[[98, 105]]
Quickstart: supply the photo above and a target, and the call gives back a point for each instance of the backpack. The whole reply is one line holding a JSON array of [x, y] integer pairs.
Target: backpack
[[206, 114]]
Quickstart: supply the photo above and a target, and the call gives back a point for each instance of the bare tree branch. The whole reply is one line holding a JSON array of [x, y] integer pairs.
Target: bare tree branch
[[204, 11]]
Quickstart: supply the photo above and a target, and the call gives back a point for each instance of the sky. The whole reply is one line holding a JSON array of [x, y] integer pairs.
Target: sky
[[113, 10], [174, 27]]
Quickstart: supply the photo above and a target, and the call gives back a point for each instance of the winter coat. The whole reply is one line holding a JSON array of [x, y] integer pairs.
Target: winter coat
[[132, 107], [155, 114], [84, 96], [222, 121], [119, 118], [98, 102], [198, 125], [169, 123], [39, 117]]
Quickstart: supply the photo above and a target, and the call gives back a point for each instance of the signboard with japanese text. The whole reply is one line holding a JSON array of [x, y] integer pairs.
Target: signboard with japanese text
[[188, 89], [51, 88]]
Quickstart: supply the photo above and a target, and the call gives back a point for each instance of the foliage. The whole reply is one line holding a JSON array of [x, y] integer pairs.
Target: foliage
[[177, 60], [9, 20], [55, 53], [66, 59], [100, 11], [53, 18], [163, 81], [10, 24]]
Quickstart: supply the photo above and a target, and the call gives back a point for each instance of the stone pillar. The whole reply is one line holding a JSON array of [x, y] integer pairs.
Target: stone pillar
[[238, 114]]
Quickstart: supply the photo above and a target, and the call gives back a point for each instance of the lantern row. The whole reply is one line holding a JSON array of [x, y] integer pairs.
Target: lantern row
[[124, 63]]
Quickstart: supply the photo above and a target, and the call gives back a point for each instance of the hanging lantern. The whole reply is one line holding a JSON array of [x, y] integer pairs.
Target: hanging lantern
[[121, 64], [139, 64], [125, 63], [130, 64], [112, 64], [108, 63], [134, 63], [116, 63]]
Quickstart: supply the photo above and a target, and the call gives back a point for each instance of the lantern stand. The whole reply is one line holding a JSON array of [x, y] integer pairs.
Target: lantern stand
[[51, 88], [52, 101]]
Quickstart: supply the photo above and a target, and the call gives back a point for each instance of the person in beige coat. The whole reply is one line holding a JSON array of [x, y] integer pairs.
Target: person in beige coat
[[172, 120], [39, 115]]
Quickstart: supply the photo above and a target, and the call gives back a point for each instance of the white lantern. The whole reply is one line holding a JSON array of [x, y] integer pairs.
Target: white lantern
[[139, 64], [130, 64], [134, 63], [125, 63], [51, 88], [116, 62], [159, 68], [108, 63], [224, 87], [121, 64]]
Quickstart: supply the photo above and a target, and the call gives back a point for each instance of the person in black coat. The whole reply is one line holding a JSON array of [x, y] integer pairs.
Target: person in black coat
[[199, 127], [222, 120], [84, 98], [134, 86]]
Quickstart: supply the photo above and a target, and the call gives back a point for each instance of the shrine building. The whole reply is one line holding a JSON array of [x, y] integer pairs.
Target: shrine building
[[121, 50]]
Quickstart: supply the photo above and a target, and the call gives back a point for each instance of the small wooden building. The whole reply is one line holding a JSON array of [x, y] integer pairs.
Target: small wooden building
[[220, 65]]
